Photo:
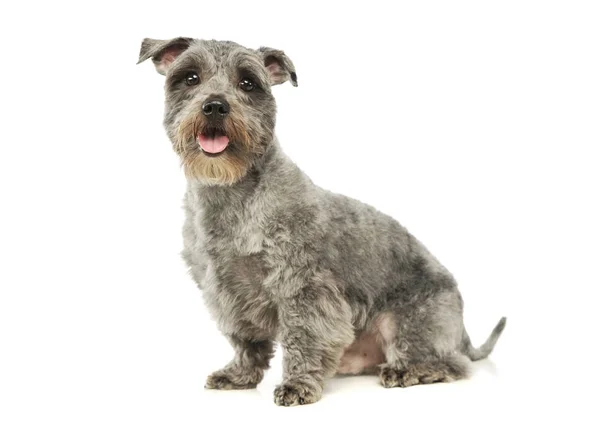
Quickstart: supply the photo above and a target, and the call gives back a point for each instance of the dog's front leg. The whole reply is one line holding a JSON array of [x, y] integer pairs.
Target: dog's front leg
[[314, 328], [246, 369]]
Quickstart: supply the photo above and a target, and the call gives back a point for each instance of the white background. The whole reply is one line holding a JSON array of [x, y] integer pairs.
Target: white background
[[475, 124]]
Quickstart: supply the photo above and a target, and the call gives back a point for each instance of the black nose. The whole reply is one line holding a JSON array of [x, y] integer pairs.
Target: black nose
[[215, 108]]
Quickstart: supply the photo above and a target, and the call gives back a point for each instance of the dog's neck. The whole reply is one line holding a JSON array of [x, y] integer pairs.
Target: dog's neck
[[272, 167]]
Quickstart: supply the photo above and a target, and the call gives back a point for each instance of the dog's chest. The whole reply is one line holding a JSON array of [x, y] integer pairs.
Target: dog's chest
[[234, 246], [233, 235], [235, 290]]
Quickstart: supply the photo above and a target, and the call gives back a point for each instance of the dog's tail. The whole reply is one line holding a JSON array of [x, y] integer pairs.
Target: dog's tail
[[483, 351]]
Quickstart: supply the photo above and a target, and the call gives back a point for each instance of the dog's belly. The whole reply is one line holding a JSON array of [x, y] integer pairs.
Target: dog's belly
[[366, 352], [362, 356]]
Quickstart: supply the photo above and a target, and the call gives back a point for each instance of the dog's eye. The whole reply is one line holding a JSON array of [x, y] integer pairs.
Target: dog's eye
[[247, 84], [192, 79]]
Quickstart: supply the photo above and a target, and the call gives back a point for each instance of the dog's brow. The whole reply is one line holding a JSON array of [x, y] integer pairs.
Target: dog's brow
[[248, 63], [197, 59]]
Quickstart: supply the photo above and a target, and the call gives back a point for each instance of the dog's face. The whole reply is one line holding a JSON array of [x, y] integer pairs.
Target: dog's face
[[219, 110]]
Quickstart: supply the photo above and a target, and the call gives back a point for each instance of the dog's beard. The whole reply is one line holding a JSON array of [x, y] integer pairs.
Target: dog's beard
[[229, 166]]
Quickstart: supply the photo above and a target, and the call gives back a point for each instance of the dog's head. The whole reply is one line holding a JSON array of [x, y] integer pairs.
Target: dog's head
[[219, 110]]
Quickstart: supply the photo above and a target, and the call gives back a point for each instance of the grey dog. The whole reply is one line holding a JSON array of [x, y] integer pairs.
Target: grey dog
[[342, 287]]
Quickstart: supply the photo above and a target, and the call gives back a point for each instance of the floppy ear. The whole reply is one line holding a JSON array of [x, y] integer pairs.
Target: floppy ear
[[163, 52], [279, 66]]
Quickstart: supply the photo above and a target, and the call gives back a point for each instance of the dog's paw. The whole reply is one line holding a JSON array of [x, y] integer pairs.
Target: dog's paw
[[292, 393], [222, 380], [389, 377], [421, 373]]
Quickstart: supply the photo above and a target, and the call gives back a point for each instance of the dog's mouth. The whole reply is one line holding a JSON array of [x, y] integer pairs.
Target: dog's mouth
[[212, 141]]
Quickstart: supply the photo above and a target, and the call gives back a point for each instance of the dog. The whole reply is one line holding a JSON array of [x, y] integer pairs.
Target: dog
[[342, 287]]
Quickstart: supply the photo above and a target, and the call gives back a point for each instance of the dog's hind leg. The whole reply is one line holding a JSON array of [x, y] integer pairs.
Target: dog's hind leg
[[426, 342], [422, 339], [443, 369]]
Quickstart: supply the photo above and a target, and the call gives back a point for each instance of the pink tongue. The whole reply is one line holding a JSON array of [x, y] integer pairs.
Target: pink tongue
[[213, 145]]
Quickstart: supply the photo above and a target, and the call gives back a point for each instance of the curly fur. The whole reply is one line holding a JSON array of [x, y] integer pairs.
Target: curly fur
[[340, 285]]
